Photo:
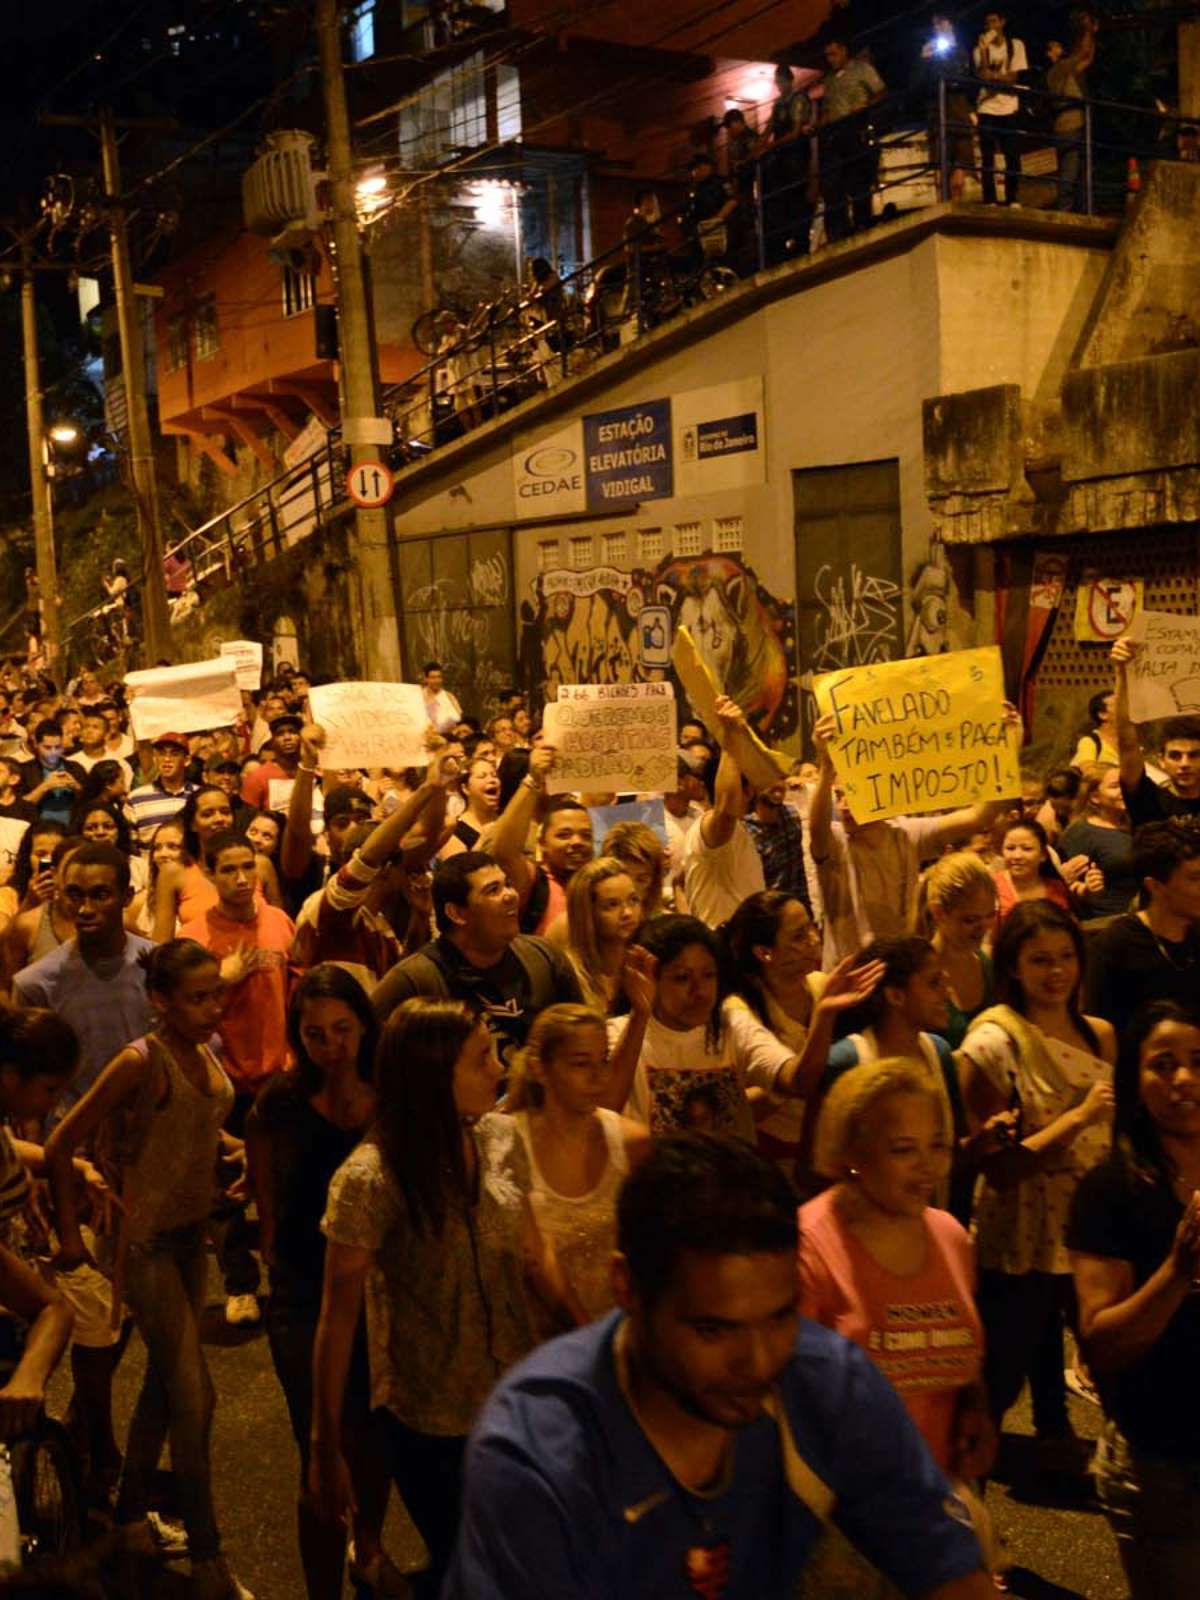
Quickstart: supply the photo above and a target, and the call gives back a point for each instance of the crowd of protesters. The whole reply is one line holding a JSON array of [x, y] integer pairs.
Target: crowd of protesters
[[556, 1149]]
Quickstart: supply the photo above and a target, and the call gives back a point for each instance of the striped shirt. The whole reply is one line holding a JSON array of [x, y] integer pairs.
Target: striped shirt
[[150, 806], [14, 1185]]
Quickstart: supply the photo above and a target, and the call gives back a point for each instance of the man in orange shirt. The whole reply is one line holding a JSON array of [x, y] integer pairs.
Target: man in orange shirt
[[251, 940]]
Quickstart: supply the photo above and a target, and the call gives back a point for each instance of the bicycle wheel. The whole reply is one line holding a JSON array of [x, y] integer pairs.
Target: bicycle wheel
[[426, 332], [46, 1485]]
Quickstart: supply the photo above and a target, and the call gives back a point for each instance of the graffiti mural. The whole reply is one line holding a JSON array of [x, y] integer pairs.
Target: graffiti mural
[[580, 627], [929, 600]]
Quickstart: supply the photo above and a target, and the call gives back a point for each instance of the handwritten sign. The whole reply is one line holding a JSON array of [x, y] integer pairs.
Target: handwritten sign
[[920, 735], [1164, 675], [190, 698], [612, 736], [247, 658], [12, 831], [371, 724]]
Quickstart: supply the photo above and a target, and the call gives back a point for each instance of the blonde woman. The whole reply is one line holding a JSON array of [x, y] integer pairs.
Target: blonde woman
[[883, 1267], [604, 910], [956, 910], [579, 1152], [644, 856], [1100, 832]]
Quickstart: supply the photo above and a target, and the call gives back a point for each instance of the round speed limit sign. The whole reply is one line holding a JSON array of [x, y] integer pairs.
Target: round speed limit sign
[[370, 484]]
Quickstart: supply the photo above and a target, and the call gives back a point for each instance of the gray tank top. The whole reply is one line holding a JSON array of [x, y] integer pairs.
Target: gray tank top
[[168, 1179]]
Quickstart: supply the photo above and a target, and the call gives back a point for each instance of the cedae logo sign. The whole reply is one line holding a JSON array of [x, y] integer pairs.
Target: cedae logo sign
[[550, 469]]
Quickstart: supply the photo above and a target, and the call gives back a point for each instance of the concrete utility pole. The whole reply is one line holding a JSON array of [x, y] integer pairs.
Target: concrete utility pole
[[360, 369], [156, 618], [39, 483]]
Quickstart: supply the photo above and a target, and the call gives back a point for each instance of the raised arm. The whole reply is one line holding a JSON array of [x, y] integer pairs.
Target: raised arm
[[296, 851], [820, 804], [1129, 746], [639, 979], [511, 830]]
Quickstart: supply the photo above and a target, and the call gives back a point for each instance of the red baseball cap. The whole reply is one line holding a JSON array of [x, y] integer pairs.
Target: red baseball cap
[[177, 739]]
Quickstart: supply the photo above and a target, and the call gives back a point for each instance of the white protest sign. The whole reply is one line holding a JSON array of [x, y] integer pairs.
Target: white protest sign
[[190, 698], [371, 724], [247, 658], [12, 831], [612, 736], [1164, 675]]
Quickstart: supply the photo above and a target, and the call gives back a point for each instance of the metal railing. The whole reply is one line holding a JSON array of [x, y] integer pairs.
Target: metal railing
[[891, 158]]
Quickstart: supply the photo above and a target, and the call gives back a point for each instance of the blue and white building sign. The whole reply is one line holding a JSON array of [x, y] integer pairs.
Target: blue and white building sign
[[627, 454], [727, 437]]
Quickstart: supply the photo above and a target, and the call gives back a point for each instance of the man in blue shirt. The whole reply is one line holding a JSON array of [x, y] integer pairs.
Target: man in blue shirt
[[695, 1443], [50, 782]]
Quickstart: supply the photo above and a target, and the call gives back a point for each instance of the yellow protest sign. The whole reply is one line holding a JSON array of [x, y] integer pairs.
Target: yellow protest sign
[[921, 735]]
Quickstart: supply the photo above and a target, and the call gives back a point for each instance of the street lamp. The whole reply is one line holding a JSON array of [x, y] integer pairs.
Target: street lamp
[[64, 433]]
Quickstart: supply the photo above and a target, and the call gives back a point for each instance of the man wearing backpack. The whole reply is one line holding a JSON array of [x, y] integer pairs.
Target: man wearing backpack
[[479, 956], [1000, 62]]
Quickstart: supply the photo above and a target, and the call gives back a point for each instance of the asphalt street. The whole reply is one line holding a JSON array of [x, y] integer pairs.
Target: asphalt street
[[1058, 1543]]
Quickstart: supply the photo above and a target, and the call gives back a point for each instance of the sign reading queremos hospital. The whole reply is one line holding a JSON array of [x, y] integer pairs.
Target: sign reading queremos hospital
[[691, 443]]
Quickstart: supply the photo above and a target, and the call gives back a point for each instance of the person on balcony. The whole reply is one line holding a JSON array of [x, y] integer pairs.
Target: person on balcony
[[848, 159], [786, 152], [1000, 62], [1066, 79]]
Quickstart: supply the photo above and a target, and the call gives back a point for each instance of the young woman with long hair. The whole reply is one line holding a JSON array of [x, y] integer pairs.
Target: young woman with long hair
[[157, 1111], [956, 910], [772, 954], [430, 1219], [1134, 1236], [644, 856], [103, 822], [166, 847], [481, 791], [1028, 872], [689, 1057], [43, 923], [1100, 832], [579, 1152], [304, 1124], [604, 911], [1036, 1057], [185, 889]]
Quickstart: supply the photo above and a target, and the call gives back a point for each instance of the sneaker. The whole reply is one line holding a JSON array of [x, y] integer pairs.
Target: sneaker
[[212, 1580], [242, 1311]]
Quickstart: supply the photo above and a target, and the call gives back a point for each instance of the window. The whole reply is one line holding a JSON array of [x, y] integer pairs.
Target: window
[[508, 102], [689, 538], [299, 291], [650, 546], [727, 534], [204, 324], [177, 343], [362, 32], [581, 552], [468, 103], [612, 549], [548, 556]]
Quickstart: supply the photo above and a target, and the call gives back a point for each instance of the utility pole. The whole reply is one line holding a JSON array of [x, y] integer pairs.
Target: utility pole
[[360, 372], [156, 617], [39, 483]]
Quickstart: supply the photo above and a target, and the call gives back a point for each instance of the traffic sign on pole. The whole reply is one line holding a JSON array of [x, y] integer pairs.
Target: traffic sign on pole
[[370, 484]]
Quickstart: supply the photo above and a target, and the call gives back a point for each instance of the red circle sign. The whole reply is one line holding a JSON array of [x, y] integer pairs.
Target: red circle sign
[[370, 484]]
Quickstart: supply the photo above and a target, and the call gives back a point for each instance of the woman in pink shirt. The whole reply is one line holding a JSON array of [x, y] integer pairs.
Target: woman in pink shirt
[[884, 1268]]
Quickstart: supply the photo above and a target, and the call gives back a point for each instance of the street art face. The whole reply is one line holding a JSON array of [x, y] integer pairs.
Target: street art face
[[581, 628]]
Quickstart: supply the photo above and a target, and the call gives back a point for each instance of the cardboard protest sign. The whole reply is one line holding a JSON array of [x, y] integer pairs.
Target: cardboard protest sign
[[12, 831], [1164, 675], [651, 812], [371, 724], [612, 736], [759, 765], [190, 698], [247, 658], [921, 735]]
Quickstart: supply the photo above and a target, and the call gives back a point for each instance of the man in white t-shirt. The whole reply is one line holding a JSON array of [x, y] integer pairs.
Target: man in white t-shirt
[[869, 871], [721, 864], [1001, 61], [681, 811]]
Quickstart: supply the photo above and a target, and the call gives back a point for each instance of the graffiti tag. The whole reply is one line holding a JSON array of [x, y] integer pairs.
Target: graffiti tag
[[858, 621]]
